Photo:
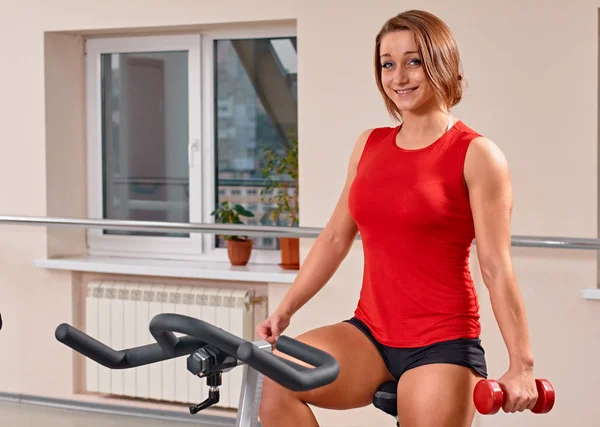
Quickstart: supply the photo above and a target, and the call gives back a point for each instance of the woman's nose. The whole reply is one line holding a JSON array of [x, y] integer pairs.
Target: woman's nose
[[400, 76]]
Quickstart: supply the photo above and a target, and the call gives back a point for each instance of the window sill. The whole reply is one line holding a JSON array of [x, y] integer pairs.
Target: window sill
[[171, 268], [591, 293]]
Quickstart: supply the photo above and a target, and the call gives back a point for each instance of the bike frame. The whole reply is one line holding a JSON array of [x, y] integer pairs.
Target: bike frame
[[251, 392]]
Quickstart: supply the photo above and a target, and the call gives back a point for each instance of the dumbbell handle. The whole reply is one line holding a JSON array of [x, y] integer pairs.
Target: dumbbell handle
[[489, 397]]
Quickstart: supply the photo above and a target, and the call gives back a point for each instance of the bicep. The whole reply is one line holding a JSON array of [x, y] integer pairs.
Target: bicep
[[491, 198]]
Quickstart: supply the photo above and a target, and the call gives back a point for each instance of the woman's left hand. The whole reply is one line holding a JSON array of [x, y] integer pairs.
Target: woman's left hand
[[521, 391]]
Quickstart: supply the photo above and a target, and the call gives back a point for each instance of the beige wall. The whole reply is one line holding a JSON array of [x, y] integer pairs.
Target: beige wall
[[532, 73]]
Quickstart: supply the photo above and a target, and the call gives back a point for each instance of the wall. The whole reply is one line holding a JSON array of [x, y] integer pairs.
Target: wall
[[532, 74]]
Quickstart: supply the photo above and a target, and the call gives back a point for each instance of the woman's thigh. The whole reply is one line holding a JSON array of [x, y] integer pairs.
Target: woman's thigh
[[437, 395], [362, 369]]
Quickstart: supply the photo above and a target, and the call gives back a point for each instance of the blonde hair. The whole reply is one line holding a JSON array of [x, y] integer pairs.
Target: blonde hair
[[438, 51]]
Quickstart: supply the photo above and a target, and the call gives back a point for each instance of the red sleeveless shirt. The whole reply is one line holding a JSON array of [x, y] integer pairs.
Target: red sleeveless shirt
[[413, 213]]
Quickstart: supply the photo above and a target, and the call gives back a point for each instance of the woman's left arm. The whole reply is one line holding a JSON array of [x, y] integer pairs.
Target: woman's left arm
[[490, 192]]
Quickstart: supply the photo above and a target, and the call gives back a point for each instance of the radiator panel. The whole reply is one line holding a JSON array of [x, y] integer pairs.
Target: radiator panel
[[118, 313]]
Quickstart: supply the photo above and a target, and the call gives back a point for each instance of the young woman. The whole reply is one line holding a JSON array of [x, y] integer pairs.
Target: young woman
[[418, 193]]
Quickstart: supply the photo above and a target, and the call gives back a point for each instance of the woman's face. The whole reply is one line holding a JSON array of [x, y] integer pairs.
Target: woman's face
[[402, 74]]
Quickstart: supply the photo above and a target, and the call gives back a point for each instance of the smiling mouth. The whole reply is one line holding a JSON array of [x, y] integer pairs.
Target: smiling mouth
[[405, 91]]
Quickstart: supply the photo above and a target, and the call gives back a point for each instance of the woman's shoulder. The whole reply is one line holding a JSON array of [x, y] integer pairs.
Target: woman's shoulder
[[368, 138], [481, 154], [474, 138], [466, 130], [376, 134], [379, 133]]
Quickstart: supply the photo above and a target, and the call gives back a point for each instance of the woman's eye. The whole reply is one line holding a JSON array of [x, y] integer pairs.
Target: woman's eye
[[386, 65], [414, 61]]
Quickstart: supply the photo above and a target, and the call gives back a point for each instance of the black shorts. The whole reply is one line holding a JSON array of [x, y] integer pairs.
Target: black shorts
[[466, 352]]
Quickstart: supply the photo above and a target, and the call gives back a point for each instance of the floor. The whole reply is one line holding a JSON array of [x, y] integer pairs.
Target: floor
[[27, 415]]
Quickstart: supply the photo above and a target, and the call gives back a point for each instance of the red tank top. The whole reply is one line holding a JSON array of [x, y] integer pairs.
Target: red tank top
[[413, 213]]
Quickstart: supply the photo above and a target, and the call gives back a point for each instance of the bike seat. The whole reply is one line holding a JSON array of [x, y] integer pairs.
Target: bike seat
[[386, 398]]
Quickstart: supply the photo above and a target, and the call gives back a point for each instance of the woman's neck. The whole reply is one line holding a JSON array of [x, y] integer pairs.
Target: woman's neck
[[418, 126], [420, 130]]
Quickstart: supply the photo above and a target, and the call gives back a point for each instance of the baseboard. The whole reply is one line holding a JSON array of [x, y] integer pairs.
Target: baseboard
[[112, 409]]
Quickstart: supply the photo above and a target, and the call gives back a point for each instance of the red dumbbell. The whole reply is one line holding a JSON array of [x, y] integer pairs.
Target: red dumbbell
[[489, 397]]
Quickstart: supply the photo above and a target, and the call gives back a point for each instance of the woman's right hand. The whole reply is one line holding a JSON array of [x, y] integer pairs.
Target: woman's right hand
[[273, 326]]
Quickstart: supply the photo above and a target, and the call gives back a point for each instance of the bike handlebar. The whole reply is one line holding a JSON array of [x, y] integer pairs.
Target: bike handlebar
[[122, 359], [198, 334]]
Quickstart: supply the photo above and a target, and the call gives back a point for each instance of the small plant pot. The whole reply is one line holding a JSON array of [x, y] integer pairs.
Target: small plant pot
[[239, 251], [290, 253]]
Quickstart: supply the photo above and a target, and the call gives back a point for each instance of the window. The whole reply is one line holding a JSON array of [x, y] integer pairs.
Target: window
[[177, 124]]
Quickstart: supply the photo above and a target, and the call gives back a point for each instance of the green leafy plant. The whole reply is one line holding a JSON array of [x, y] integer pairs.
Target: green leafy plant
[[278, 190], [227, 214]]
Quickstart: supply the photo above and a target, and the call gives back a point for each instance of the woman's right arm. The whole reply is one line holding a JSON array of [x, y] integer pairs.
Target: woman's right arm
[[329, 250]]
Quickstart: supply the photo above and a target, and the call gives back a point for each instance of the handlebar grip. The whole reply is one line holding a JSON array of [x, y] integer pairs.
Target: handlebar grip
[[123, 359], [287, 373], [89, 346]]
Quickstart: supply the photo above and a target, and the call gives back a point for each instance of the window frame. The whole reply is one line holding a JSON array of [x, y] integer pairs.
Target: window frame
[[201, 148], [140, 246]]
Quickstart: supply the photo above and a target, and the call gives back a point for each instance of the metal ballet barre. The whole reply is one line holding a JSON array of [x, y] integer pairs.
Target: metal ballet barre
[[156, 226], [260, 230]]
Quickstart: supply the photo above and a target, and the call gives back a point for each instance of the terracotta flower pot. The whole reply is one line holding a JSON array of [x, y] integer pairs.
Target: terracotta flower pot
[[239, 251], [290, 253]]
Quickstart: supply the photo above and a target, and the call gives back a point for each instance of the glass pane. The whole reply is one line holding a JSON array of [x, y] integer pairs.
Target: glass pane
[[256, 108], [145, 138]]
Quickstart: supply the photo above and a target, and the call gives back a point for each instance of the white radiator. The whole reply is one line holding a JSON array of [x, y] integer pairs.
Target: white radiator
[[118, 314]]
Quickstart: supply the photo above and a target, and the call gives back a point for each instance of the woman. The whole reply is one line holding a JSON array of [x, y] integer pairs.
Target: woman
[[418, 193]]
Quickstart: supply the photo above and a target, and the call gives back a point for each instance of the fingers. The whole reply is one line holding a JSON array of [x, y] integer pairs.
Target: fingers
[[510, 406], [519, 402], [532, 403], [264, 332], [522, 404], [271, 328]]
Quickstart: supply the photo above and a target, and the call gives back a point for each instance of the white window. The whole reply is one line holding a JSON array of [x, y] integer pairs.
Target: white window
[[176, 124]]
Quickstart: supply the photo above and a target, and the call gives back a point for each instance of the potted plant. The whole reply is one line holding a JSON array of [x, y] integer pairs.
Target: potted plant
[[239, 248], [281, 190]]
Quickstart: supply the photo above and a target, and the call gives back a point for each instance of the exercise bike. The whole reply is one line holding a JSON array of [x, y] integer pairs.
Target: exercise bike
[[212, 352]]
